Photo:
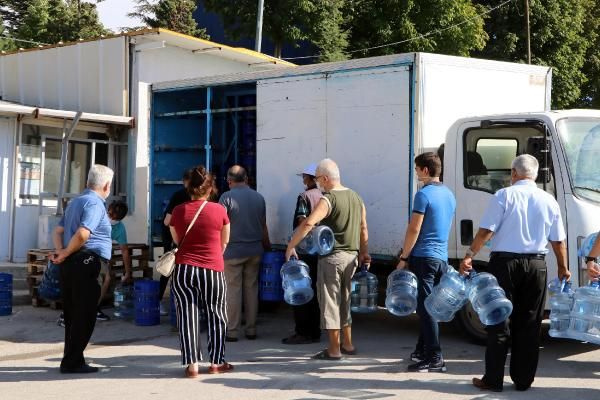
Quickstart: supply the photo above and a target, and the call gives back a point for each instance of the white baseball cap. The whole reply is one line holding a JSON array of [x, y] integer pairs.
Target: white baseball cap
[[310, 169]]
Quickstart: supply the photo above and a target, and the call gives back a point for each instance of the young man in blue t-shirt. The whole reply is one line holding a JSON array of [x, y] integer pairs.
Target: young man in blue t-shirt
[[425, 251]]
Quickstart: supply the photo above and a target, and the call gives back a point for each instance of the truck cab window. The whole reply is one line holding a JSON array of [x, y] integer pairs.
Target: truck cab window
[[489, 152]]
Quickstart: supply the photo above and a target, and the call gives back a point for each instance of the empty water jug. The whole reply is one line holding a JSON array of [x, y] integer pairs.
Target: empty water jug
[[446, 298], [401, 293], [123, 302], [363, 298], [319, 240], [296, 282], [561, 301], [488, 298], [585, 314]]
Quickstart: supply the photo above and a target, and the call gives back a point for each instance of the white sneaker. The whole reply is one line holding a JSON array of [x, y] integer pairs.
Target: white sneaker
[[163, 310]]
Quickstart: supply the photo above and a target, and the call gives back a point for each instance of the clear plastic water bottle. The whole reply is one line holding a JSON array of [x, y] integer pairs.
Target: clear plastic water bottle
[[449, 296], [296, 282], [561, 301], [319, 240], [124, 302], [585, 314], [401, 293], [364, 291], [488, 298]]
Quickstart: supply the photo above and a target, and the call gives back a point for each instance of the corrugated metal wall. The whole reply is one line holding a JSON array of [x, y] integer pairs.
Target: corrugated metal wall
[[87, 76]]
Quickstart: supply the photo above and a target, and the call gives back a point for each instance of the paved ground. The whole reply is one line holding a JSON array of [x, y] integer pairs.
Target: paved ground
[[143, 363]]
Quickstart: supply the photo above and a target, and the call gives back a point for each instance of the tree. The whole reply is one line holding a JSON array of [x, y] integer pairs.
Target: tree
[[176, 15], [590, 90], [319, 22], [51, 21], [449, 27], [558, 39]]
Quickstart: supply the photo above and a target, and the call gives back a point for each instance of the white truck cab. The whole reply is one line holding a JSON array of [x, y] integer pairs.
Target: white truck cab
[[477, 161]]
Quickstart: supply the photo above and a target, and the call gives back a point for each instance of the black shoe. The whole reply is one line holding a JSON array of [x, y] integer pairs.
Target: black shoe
[[84, 369], [61, 320], [428, 366], [100, 316], [417, 355], [297, 339], [521, 388], [251, 337], [231, 339]]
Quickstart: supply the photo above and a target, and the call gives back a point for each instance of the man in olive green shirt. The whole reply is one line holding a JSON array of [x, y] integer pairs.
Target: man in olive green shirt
[[344, 212]]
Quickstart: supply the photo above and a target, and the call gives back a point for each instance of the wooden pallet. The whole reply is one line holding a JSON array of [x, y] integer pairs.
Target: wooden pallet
[[37, 260]]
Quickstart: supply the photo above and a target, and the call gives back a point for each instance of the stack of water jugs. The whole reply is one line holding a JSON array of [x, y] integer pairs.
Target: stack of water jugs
[[295, 277], [450, 295]]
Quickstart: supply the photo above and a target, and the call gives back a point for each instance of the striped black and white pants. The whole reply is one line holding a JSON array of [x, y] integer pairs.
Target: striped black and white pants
[[195, 287]]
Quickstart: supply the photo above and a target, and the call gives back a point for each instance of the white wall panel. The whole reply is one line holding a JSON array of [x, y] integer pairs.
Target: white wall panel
[[7, 146], [87, 76]]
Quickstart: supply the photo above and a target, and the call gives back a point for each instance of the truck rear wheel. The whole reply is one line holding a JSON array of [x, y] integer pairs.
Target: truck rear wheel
[[467, 318]]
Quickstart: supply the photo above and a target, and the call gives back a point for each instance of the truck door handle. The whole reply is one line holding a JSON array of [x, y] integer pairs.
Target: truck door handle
[[466, 232]]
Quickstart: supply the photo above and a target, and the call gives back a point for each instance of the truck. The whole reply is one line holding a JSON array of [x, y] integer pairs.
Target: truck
[[373, 116]]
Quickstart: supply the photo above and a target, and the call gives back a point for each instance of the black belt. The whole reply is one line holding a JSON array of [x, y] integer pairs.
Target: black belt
[[529, 256]]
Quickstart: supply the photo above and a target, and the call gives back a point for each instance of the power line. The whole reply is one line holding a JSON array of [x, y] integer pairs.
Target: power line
[[23, 40], [424, 35]]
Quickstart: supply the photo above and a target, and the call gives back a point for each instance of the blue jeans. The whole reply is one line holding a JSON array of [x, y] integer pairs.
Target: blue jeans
[[428, 271]]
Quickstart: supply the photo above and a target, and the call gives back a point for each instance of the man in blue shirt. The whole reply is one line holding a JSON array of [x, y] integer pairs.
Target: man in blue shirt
[[520, 221], [82, 240], [426, 252]]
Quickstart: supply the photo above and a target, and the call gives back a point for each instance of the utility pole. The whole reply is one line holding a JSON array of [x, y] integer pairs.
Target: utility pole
[[528, 32], [259, 24]]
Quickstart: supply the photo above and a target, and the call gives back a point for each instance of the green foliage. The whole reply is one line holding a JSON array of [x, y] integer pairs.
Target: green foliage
[[175, 15], [559, 38], [320, 22], [51, 21], [379, 22]]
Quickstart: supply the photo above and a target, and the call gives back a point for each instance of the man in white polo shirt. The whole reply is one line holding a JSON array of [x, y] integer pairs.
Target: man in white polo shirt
[[520, 220]]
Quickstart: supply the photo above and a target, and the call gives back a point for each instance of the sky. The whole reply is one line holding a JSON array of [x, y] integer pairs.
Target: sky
[[113, 14]]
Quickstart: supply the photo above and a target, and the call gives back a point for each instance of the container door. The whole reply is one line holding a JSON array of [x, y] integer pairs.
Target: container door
[[7, 136]]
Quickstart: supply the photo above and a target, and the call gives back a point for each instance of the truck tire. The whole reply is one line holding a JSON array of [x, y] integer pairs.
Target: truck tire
[[468, 320]]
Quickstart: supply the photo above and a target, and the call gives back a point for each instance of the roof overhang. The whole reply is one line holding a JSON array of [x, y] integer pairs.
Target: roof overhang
[[201, 46], [38, 112]]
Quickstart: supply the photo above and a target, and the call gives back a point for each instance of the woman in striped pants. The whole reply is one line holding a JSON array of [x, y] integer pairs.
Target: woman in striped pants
[[198, 279]]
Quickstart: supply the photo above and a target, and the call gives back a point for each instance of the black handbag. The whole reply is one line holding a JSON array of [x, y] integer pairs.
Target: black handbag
[[49, 288]]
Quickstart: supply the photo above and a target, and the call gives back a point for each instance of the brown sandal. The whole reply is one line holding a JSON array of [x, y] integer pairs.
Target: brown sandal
[[221, 369], [191, 374]]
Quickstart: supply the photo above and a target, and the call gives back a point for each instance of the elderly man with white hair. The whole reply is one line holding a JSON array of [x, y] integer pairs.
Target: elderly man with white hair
[[82, 242], [520, 220], [343, 211]]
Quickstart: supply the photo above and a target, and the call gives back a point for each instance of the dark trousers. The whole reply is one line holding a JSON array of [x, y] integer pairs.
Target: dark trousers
[[80, 292], [524, 281], [428, 271], [196, 289], [307, 316]]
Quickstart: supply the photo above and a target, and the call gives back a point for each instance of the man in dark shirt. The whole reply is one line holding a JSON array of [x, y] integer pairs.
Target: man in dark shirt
[[82, 242], [307, 316], [179, 197]]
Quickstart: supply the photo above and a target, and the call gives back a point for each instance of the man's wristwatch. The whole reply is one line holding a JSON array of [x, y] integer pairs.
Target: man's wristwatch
[[588, 259]]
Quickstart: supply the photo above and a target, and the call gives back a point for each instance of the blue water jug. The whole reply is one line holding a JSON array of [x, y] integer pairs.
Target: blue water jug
[[6, 292], [49, 288], [123, 302], [561, 301], [363, 298], [269, 285], [147, 303], [585, 314], [296, 282], [319, 240], [488, 298], [401, 293], [446, 298]]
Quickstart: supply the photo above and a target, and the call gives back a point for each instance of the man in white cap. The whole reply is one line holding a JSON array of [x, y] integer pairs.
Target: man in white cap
[[307, 316]]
